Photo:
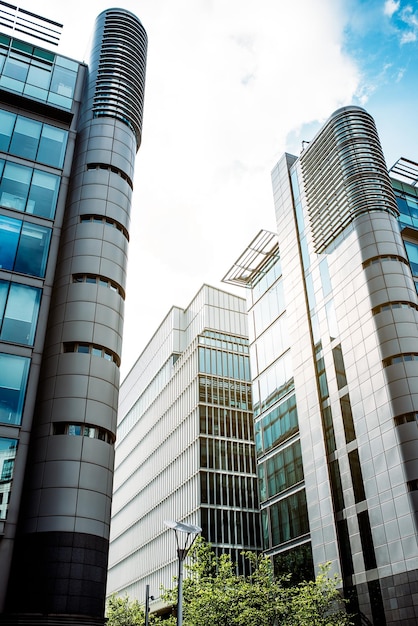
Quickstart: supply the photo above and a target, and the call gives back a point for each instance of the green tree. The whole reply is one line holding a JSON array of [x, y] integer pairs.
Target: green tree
[[214, 595], [122, 612]]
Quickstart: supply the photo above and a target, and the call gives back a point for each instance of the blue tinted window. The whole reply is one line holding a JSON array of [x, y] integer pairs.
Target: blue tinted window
[[25, 138], [19, 307], [14, 187], [7, 122], [412, 252], [13, 379], [8, 449], [33, 249], [27, 189], [24, 246], [9, 237], [43, 194], [52, 146]]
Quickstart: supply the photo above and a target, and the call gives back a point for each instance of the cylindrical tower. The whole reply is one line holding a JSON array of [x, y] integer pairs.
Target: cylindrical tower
[[61, 554]]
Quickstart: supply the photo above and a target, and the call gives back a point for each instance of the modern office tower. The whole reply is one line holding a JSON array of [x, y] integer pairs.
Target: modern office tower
[[185, 449], [68, 135], [334, 345]]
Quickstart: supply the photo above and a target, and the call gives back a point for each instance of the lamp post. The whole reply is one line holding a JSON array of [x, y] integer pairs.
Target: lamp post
[[191, 533]]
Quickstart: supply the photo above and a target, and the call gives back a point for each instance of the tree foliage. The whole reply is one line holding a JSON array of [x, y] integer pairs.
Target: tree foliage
[[214, 595]]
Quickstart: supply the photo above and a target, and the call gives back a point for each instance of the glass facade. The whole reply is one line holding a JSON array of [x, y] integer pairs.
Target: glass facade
[[37, 73], [28, 190], [33, 140]]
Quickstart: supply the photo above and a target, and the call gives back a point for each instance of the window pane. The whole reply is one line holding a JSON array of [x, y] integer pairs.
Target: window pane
[[13, 378], [4, 290], [15, 186], [33, 250], [15, 68], [63, 82], [52, 146], [43, 194], [25, 138], [7, 121], [412, 252], [8, 448], [19, 323], [9, 237], [39, 77]]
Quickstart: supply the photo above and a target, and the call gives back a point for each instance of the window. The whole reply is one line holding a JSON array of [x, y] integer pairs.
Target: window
[[25, 189], [8, 449], [93, 349], [347, 415], [19, 307], [356, 476], [13, 379], [412, 252], [52, 146], [83, 430], [25, 138], [32, 140], [366, 540], [7, 122], [339, 367], [24, 246]]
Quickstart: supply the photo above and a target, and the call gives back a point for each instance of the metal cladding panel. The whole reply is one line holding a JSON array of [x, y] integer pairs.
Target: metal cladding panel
[[345, 175], [119, 54]]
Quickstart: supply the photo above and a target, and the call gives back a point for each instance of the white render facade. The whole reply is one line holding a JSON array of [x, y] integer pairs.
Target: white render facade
[[185, 448]]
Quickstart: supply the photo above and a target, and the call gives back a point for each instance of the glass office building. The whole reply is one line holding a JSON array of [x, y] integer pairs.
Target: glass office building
[[334, 352], [68, 141], [185, 447]]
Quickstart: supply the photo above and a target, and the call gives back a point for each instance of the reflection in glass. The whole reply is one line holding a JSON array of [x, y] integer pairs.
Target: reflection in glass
[[19, 316], [25, 138], [9, 237], [7, 121], [13, 378], [33, 249], [8, 449], [14, 186]]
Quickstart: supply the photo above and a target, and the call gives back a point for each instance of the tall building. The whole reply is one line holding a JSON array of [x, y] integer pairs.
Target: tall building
[[185, 448], [69, 134], [333, 315]]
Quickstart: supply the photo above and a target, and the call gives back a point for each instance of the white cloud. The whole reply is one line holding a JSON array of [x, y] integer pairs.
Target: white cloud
[[390, 7], [227, 83]]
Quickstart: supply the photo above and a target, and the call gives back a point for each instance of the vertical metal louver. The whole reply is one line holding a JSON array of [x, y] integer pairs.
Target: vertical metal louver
[[120, 83], [345, 175]]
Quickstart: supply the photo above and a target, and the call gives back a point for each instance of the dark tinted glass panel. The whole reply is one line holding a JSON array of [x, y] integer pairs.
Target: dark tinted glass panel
[[337, 491], [356, 476], [366, 540], [339, 367], [350, 433], [345, 548]]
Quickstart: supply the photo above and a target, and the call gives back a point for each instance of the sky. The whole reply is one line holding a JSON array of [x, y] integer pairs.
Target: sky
[[230, 86]]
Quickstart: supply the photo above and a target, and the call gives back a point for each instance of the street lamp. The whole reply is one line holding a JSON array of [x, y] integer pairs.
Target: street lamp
[[191, 533]]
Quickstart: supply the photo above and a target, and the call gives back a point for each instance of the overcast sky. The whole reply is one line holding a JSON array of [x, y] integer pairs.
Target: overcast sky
[[231, 85]]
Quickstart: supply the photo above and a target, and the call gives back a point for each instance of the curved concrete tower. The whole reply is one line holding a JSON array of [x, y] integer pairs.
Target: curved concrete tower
[[60, 560]]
